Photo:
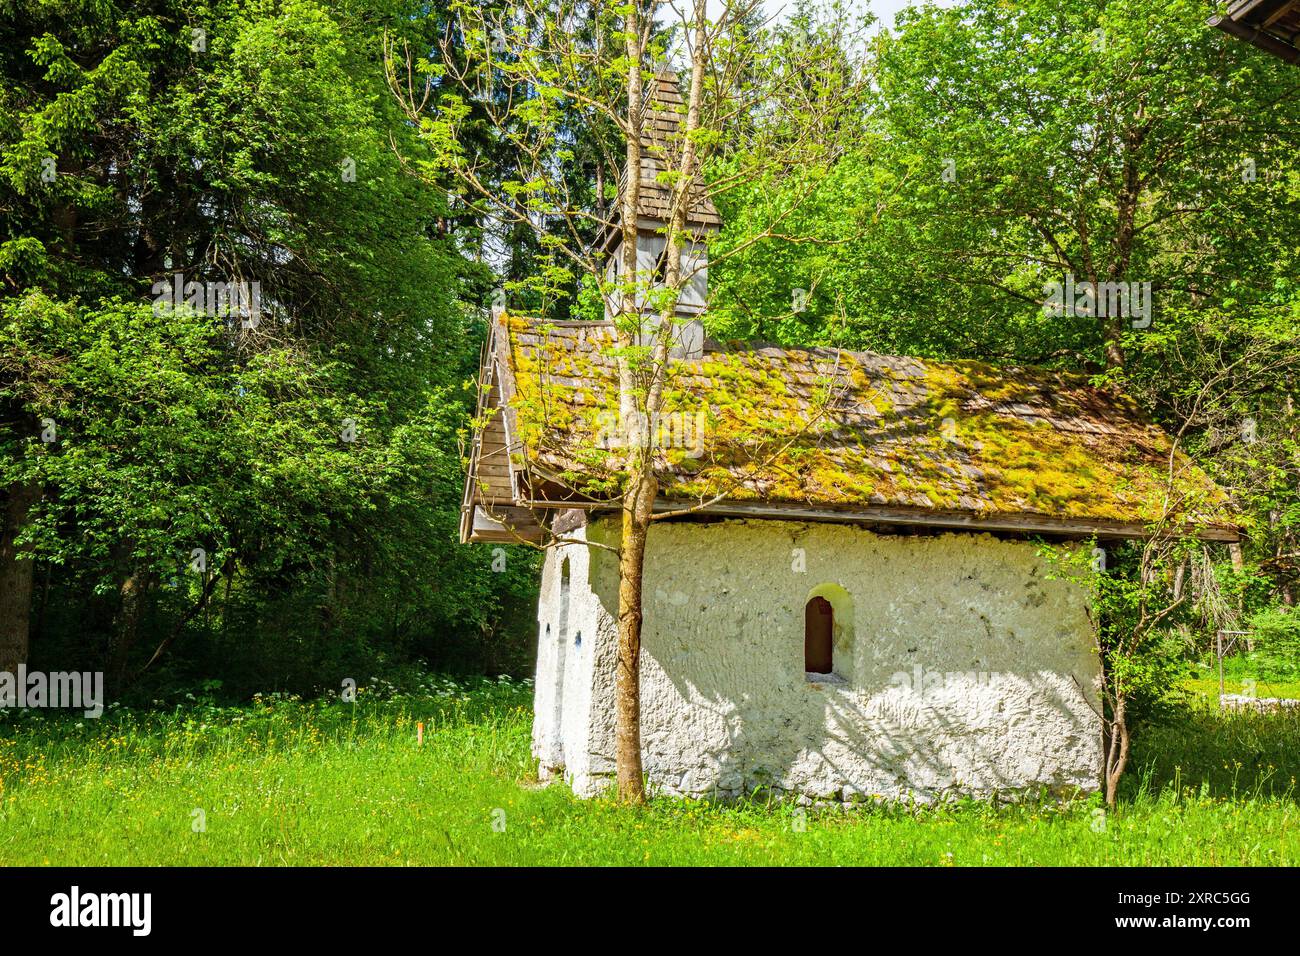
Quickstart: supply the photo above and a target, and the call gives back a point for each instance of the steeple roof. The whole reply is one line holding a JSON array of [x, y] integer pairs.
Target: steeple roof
[[664, 113]]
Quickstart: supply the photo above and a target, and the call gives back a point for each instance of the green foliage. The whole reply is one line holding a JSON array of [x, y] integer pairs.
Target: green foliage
[[310, 457], [1238, 755], [1134, 614], [162, 445], [1275, 633], [1010, 144]]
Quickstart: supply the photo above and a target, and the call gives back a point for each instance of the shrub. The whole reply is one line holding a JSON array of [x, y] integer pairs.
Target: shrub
[[1276, 637]]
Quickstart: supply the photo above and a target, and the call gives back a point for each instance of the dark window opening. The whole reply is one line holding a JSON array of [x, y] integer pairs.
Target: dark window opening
[[661, 266], [818, 625]]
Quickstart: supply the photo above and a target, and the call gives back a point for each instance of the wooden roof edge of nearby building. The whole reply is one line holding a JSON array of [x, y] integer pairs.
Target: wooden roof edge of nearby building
[[533, 491], [1270, 25]]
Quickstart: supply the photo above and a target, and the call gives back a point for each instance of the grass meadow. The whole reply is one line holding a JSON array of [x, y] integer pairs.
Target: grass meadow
[[289, 782]]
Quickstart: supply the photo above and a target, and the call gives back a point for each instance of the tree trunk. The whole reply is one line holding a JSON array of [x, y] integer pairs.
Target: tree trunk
[[1126, 207], [15, 578], [1116, 752], [124, 634], [638, 505], [1114, 351], [1239, 565]]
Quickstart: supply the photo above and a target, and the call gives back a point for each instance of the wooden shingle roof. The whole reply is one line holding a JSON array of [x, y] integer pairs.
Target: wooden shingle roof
[[826, 434]]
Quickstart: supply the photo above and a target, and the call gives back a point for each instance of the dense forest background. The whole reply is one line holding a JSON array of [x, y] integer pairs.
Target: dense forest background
[[192, 500]]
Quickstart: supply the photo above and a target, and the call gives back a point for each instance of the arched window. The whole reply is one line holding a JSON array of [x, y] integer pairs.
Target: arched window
[[818, 636]]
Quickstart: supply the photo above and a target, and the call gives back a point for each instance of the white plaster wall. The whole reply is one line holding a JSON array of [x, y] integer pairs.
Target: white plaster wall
[[960, 671], [577, 644], [548, 692]]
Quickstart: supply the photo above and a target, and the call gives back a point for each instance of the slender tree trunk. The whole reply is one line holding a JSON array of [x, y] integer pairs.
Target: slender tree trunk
[[329, 607], [204, 603], [1235, 554], [1239, 565], [627, 683], [1116, 752], [1114, 351], [638, 501], [600, 190], [15, 577], [1126, 207], [632, 186], [637, 508], [42, 605]]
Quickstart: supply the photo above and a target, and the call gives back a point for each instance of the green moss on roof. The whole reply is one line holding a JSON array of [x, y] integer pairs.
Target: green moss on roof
[[842, 429]]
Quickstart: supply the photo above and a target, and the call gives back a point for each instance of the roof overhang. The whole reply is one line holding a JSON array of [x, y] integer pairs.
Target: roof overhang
[[1020, 523], [1271, 25], [492, 507]]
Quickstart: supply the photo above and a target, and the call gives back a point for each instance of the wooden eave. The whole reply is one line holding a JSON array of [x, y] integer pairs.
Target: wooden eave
[[551, 494], [492, 507], [1271, 25], [530, 486]]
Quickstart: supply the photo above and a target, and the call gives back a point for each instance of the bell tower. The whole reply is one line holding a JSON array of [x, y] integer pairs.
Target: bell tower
[[661, 139]]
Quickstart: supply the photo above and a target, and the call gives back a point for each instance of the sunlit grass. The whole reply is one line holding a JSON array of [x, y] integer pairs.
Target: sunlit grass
[[1209, 687], [308, 783]]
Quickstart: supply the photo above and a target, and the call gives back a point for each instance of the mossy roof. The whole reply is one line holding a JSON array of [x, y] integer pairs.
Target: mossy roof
[[850, 432]]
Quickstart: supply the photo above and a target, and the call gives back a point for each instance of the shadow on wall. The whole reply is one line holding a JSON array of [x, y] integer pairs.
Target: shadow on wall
[[863, 730]]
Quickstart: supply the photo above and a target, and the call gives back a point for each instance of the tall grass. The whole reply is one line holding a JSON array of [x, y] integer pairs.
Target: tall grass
[[1230, 754], [289, 782]]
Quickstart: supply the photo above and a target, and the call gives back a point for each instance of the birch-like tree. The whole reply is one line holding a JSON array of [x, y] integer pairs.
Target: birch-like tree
[[564, 83]]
